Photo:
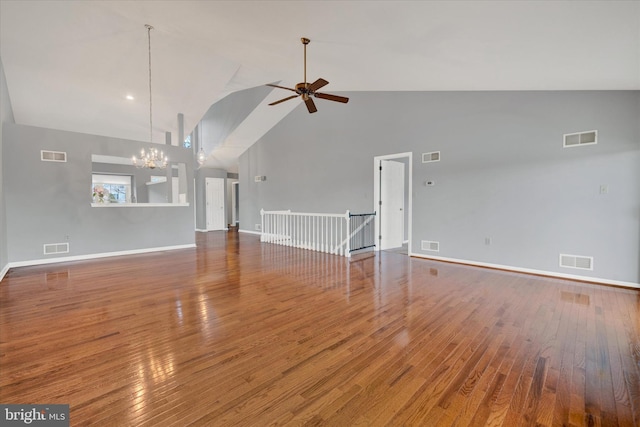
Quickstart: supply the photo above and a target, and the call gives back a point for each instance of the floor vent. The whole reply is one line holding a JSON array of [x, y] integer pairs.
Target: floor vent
[[575, 261], [428, 245], [53, 156], [56, 248], [580, 138], [431, 157]]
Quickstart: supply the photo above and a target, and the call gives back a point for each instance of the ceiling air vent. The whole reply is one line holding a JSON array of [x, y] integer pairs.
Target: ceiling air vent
[[576, 261], [580, 138], [434, 156], [428, 245], [56, 248], [53, 156]]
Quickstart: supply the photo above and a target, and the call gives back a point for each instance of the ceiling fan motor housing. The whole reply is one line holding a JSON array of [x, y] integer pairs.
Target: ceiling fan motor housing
[[302, 87]]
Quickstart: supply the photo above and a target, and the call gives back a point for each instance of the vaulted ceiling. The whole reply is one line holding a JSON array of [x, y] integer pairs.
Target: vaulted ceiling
[[70, 64]]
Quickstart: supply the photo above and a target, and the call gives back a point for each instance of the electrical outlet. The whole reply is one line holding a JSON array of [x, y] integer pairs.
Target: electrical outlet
[[604, 189], [258, 227], [487, 240]]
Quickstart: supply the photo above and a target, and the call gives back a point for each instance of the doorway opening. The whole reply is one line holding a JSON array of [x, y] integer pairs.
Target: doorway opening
[[393, 199], [235, 204]]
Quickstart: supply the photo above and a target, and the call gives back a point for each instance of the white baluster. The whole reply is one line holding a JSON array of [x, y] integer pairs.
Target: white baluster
[[314, 231], [289, 228], [333, 236], [340, 238], [324, 235]]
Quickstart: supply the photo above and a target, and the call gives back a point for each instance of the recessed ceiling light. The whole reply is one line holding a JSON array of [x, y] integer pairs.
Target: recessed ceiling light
[[130, 97]]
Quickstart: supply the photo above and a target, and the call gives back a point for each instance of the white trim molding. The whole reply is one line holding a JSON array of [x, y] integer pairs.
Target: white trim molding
[[596, 280], [4, 271], [257, 233], [138, 205], [95, 256], [376, 193]]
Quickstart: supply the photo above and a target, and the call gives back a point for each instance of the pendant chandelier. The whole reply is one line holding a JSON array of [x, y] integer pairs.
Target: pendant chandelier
[[202, 157], [152, 158]]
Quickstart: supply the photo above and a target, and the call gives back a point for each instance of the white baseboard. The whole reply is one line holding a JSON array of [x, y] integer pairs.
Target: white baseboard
[[95, 256], [198, 230], [250, 232], [531, 271], [4, 271]]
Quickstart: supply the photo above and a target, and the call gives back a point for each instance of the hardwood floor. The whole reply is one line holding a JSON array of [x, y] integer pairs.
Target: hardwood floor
[[240, 333]]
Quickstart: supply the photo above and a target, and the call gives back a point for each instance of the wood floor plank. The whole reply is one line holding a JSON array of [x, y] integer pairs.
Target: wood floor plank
[[236, 332]]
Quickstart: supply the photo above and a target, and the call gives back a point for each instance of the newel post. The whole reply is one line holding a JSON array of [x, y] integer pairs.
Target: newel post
[[347, 217], [262, 225]]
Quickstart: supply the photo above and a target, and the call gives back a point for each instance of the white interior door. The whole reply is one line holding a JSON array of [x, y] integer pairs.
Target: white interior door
[[391, 209], [215, 204]]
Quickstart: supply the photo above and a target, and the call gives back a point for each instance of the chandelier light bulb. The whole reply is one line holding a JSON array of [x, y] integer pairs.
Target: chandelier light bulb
[[202, 157]]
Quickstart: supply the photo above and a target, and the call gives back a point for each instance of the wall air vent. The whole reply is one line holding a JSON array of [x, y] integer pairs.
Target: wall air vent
[[580, 138], [56, 248], [576, 261], [428, 245], [431, 157], [53, 156]]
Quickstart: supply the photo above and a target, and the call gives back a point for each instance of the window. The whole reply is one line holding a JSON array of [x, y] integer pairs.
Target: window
[[111, 188]]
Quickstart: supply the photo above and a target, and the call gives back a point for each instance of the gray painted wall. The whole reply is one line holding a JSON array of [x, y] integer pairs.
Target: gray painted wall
[[503, 174], [224, 116], [48, 202], [6, 116]]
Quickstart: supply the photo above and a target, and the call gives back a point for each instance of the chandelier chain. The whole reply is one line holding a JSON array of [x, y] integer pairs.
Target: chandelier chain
[[149, 28], [153, 158]]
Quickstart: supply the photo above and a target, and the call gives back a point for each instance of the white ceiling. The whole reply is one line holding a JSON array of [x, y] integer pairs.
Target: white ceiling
[[69, 64]]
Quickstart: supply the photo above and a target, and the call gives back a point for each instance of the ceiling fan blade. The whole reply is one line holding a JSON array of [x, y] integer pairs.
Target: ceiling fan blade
[[284, 99], [331, 97], [282, 87], [317, 85], [311, 106]]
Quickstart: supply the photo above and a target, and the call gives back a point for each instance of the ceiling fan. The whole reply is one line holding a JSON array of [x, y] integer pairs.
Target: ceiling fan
[[307, 90]]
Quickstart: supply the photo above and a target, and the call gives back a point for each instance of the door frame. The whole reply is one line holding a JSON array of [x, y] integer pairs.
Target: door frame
[[207, 205], [235, 214], [376, 194]]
